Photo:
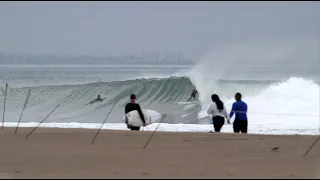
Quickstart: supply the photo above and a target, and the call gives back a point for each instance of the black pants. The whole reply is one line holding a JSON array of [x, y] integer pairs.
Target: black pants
[[192, 97], [240, 126], [218, 122], [133, 128]]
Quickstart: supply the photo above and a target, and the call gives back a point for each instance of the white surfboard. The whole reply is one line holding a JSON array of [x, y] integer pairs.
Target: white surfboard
[[184, 102], [150, 117]]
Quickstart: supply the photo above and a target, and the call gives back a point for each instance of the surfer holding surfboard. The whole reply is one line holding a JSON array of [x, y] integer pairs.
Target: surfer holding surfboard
[[132, 106]]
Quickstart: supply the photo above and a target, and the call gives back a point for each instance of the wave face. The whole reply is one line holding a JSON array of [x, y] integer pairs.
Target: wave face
[[294, 102], [158, 94]]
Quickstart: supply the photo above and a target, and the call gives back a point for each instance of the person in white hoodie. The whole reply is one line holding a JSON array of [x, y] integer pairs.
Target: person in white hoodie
[[219, 113]]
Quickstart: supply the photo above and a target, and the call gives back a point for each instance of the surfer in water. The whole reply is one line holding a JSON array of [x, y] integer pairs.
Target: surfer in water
[[98, 99], [131, 106], [193, 94]]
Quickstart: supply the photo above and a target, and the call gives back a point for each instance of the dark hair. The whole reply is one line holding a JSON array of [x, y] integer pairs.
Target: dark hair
[[238, 96], [215, 98], [132, 96]]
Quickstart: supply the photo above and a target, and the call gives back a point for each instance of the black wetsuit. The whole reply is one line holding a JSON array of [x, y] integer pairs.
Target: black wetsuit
[[193, 94], [131, 107], [96, 100]]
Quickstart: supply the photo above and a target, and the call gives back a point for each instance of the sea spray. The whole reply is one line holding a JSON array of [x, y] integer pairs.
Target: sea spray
[[249, 58]]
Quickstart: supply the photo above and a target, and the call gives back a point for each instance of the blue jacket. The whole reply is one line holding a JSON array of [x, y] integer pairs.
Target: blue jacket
[[240, 108]]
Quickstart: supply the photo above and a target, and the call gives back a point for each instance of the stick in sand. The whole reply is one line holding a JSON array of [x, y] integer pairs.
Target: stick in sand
[[314, 143], [103, 123], [25, 104], [154, 132], [4, 104], [43, 120]]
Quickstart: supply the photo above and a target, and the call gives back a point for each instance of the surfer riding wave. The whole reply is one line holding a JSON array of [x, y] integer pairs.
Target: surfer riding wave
[[193, 94]]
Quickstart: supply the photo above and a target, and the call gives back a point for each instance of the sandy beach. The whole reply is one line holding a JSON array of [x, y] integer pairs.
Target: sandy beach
[[67, 153]]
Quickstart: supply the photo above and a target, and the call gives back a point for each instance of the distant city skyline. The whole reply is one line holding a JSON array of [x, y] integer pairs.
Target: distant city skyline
[[143, 58], [151, 55]]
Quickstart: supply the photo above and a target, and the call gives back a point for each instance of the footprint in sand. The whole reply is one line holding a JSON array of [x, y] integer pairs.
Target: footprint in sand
[[276, 149], [145, 174]]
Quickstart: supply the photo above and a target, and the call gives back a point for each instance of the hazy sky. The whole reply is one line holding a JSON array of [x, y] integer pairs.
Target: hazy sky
[[120, 28]]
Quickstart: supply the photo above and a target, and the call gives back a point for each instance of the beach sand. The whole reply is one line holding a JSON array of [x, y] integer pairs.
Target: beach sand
[[67, 153]]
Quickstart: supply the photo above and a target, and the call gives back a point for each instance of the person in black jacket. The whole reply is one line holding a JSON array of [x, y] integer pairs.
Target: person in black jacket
[[131, 106]]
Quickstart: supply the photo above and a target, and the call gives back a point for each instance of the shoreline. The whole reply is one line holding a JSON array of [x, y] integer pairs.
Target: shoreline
[[67, 153], [77, 129], [165, 127]]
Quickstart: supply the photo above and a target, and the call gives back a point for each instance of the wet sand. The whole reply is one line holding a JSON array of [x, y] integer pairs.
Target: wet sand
[[67, 153]]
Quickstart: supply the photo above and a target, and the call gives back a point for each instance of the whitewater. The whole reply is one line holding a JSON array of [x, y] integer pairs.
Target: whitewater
[[282, 98]]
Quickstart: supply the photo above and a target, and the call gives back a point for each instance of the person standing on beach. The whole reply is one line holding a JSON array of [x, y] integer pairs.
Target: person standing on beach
[[219, 113], [131, 106], [240, 108]]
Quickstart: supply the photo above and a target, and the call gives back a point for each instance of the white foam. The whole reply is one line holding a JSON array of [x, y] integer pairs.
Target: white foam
[[253, 129], [292, 104]]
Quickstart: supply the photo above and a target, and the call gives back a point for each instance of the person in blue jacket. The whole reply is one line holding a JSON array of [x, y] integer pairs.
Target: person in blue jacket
[[239, 108]]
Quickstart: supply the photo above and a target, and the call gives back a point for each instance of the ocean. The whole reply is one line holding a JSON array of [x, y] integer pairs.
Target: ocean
[[281, 99]]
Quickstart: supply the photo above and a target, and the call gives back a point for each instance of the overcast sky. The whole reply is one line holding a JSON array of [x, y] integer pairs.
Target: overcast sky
[[120, 28]]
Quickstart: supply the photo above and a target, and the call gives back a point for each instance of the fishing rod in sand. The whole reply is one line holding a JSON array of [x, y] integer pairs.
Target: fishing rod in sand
[[42, 121], [96, 135], [148, 141], [314, 143], [94, 138], [4, 104], [46, 117], [24, 107]]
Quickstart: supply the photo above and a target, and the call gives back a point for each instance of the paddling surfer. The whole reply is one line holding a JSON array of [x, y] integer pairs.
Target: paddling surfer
[[98, 99], [131, 106]]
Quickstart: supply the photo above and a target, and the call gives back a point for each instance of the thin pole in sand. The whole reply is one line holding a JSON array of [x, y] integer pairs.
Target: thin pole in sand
[[145, 146], [25, 104], [4, 104], [43, 120], [94, 138]]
